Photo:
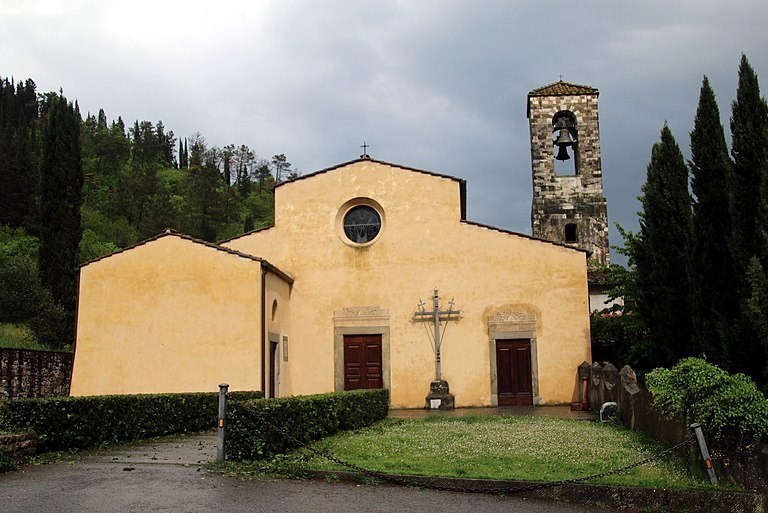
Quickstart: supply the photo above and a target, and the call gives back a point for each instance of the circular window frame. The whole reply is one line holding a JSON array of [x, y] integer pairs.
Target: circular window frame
[[346, 208]]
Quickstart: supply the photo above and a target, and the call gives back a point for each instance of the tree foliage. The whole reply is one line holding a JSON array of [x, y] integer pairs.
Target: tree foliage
[[83, 188], [713, 279], [18, 153], [710, 295], [661, 250], [723, 403], [749, 211], [61, 185]]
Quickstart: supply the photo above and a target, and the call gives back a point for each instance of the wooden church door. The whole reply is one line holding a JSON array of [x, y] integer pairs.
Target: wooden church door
[[513, 371], [362, 362]]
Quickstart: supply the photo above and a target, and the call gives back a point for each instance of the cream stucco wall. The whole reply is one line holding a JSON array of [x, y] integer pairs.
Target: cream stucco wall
[[423, 245], [170, 315], [277, 331]]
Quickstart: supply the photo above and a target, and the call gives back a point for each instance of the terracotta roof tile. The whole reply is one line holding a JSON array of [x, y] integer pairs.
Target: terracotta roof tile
[[563, 89]]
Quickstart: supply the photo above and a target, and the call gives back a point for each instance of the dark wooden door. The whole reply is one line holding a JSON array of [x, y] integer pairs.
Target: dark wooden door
[[362, 362], [513, 371]]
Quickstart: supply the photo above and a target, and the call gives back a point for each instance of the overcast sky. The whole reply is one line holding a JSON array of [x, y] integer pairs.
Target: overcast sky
[[437, 85]]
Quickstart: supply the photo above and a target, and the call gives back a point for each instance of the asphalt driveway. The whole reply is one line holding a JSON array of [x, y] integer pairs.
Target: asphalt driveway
[[168, 475]]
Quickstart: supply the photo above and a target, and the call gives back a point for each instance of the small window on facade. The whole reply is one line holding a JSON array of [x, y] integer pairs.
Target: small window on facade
[[570, 233]]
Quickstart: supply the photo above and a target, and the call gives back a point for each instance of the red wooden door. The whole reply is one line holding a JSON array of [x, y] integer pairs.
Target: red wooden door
[[513, 372], [362, 362]]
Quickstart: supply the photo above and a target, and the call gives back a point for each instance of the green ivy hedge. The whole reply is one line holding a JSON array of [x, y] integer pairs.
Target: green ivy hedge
[[725, 404], [305, 418], [63, 423]]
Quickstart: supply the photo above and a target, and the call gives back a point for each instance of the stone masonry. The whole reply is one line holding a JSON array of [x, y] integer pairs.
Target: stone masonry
[[26, 373], [571, 199]]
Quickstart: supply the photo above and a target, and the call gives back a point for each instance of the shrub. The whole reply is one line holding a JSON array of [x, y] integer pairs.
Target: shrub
[[303, 418], [725, 404], [63, 423]]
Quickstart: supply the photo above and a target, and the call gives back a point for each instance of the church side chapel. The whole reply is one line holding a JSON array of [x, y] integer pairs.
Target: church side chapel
[[370, 277]]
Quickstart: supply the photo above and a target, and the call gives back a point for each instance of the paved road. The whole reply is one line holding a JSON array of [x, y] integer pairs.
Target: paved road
[[167, 476]]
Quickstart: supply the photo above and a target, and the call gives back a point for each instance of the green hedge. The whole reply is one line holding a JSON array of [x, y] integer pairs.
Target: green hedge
[[63, 423], [724, 404], [305, 418]]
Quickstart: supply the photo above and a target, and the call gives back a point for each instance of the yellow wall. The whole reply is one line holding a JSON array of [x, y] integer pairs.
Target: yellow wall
[[277, 325], [171, 315], [423, 245]]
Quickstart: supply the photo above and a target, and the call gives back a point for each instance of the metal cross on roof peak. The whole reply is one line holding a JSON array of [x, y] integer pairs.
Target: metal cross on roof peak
[[365, 147]]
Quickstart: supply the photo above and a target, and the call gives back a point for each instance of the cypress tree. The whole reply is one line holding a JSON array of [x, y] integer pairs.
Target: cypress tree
[[661, 253], [61, 186], [747, 190], [714, 298], [749, 130], [248, 223], [18, 165]]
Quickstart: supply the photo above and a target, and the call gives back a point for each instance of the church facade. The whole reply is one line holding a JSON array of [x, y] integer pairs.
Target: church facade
[[336, 295]]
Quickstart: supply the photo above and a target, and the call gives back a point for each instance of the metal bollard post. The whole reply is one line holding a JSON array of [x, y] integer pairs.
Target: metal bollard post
[[704, 452], [220, 435]]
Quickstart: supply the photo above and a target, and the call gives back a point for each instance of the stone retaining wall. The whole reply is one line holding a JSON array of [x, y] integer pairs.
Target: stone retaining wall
[[27, 373], [18, 446], [637, 411]]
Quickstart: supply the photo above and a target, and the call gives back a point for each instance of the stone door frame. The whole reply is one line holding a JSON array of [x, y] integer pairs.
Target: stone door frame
[[513, 325]]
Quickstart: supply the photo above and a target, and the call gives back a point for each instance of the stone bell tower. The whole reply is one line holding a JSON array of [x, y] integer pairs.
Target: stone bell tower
[[568, 202]]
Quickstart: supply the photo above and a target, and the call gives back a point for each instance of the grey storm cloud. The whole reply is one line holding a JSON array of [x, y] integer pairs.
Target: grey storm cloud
[[439, 85]]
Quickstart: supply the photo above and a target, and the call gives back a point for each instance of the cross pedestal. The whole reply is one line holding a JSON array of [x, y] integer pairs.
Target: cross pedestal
[[439, 397]]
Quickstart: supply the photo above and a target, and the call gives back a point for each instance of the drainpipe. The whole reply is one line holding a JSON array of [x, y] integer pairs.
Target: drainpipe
[[263, 326]]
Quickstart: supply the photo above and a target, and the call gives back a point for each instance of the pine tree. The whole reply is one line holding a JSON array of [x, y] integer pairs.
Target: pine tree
[[660, 252], [713, 279], [281, 167], [60, 200]]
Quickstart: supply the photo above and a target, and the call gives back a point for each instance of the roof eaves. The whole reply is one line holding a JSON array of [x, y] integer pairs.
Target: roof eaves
[[257, 230], [367, 159], [180, 235], [563, 89], [285, 276], [558, 89], [524, 235]]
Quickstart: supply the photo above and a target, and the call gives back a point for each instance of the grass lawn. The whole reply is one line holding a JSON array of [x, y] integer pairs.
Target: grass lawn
[[501, 447]]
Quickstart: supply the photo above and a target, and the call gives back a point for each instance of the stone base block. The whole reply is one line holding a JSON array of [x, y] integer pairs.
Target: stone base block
[[439, 397]]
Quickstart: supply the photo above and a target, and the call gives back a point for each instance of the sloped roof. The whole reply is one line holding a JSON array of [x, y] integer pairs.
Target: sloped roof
[[524, 235], [462, 183], [368, 159], [256, 230], [174, 233], [563, 89]]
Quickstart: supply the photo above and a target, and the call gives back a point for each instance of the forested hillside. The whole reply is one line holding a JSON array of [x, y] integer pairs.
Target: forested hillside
[[74, 187]]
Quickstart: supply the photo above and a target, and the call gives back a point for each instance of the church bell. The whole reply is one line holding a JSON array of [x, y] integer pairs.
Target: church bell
[[564, 139]]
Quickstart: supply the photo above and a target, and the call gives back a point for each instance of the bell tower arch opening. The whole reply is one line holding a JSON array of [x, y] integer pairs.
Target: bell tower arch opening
[[568, 206], [565, 143]]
